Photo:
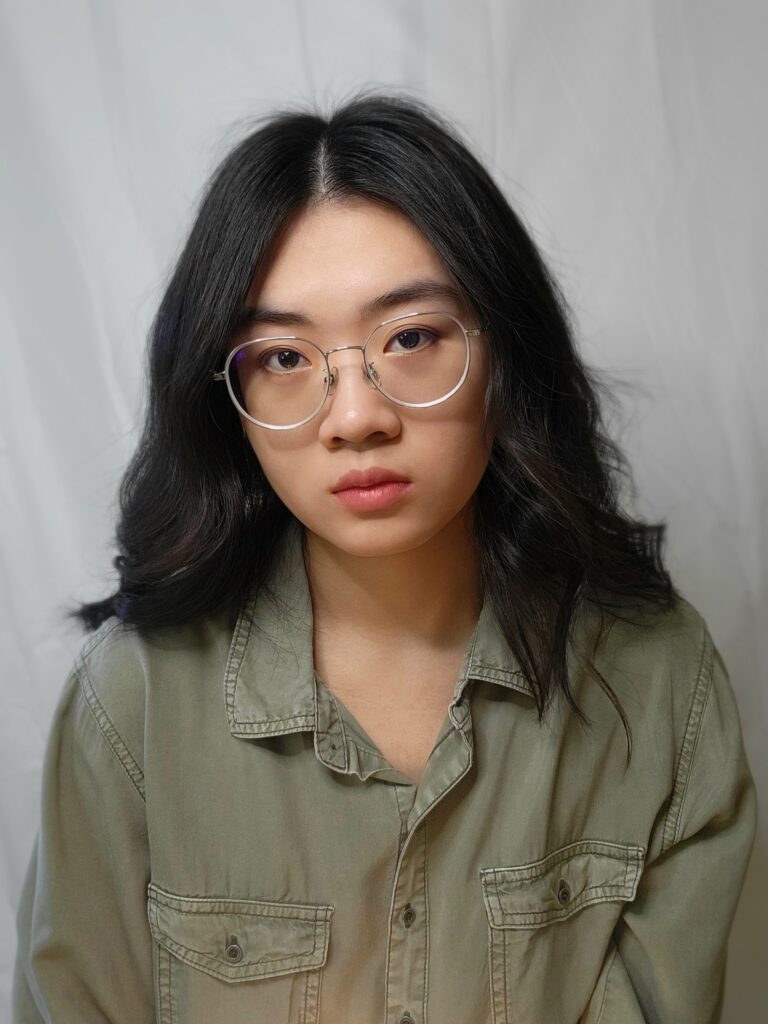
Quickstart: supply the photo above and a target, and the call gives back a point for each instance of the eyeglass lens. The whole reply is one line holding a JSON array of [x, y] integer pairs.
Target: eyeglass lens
[[283, 381]]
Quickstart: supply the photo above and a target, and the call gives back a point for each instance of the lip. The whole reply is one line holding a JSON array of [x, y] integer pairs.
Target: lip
[[367, 478], [369, 499]]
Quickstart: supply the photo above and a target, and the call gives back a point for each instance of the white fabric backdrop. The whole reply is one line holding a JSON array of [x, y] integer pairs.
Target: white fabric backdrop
[[630, 135]]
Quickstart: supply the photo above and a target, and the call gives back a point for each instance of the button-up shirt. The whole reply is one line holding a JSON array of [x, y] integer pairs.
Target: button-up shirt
[[222, 842]]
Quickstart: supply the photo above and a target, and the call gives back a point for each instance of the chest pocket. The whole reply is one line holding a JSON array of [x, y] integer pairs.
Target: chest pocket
[[550, 923], [237, 960]]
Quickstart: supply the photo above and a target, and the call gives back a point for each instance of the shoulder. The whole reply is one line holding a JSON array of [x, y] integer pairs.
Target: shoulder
[[109, 669], [670, 640], [120, 667], [658, 662], [673, 639], [682, 692]]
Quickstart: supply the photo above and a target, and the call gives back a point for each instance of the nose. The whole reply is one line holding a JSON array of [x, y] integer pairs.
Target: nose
[[354, 407], [350, 362]]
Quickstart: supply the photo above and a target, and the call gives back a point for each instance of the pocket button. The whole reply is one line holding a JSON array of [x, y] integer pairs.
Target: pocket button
[[563, 891], [233, 952]]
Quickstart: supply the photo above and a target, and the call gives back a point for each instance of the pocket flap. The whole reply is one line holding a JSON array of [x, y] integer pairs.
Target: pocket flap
[[569, 878], [238, 940]]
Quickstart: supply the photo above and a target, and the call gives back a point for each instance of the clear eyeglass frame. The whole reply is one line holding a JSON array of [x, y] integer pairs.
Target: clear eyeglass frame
[[331, 375]]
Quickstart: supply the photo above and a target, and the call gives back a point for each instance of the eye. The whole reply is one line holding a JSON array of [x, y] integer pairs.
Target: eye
[[288, 360], [410, 339]]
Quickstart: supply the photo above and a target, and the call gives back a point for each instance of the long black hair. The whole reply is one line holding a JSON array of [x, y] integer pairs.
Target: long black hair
[[198, 521]]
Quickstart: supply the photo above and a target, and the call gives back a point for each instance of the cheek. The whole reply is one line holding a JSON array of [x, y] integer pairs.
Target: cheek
[[282, 461], [456, 457]]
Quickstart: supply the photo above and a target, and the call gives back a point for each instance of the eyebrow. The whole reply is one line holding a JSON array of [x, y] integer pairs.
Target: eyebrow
[[412, 291]]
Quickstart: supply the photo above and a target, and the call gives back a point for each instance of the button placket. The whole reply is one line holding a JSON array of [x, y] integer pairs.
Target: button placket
[[406, 969], [407, 953]]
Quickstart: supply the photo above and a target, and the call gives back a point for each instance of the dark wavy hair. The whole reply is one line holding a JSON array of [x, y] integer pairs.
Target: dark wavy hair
[[199, 523]]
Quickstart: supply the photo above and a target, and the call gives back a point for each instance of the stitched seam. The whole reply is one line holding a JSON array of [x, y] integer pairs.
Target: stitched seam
[[299, 723], [488, 674], [426, 926], [689, 773], [490, 975], [306, 998], [445, 792], [689, 744], [226, 905], [189, 953], [341, 727], [403, 818], [318, 995], [526, 918], [325, 697], [635, 865], [606, 888], [377, 753], [446, 737], [504, 962], [111, 736], [236, 652], [392, 907], [495, 668], [605, 989], [171, 994], [98, 638], [304, 717], [585, 846]]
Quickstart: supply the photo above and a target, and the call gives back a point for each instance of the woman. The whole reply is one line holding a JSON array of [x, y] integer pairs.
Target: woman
[[395, 715]]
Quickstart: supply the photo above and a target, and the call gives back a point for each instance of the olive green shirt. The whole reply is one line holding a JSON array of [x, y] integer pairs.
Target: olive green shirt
[[221, 842]]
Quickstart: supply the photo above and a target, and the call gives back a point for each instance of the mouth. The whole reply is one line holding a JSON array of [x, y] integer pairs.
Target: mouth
[[375, 496], [363, 478]]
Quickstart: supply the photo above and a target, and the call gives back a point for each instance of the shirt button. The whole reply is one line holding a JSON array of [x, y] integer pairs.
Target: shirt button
[[563, 891], [233, 952], [406, 1019], [408, 915]]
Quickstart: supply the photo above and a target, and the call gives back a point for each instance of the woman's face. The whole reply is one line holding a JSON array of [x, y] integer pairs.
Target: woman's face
[[329, 261]]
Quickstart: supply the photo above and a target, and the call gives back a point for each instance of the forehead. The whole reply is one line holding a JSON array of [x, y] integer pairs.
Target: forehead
[[333, 257]]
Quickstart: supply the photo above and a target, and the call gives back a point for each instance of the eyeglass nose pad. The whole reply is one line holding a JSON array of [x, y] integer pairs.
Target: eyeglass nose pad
[[371, 375], [368, 374]]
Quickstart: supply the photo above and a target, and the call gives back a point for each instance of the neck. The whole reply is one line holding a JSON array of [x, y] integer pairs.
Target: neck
[[427, 597]]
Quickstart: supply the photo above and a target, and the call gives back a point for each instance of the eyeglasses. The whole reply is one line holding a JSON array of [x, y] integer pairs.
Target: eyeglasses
[[416, 360]]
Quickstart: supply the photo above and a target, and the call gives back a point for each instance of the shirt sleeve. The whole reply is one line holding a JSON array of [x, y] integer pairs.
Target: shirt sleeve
[[668, 965], [84, 952]]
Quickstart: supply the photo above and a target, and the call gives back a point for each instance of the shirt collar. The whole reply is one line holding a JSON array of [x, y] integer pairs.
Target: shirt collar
[[269, 679]]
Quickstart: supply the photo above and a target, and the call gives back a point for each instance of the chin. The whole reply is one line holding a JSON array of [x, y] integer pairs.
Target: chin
[[376, 538]]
